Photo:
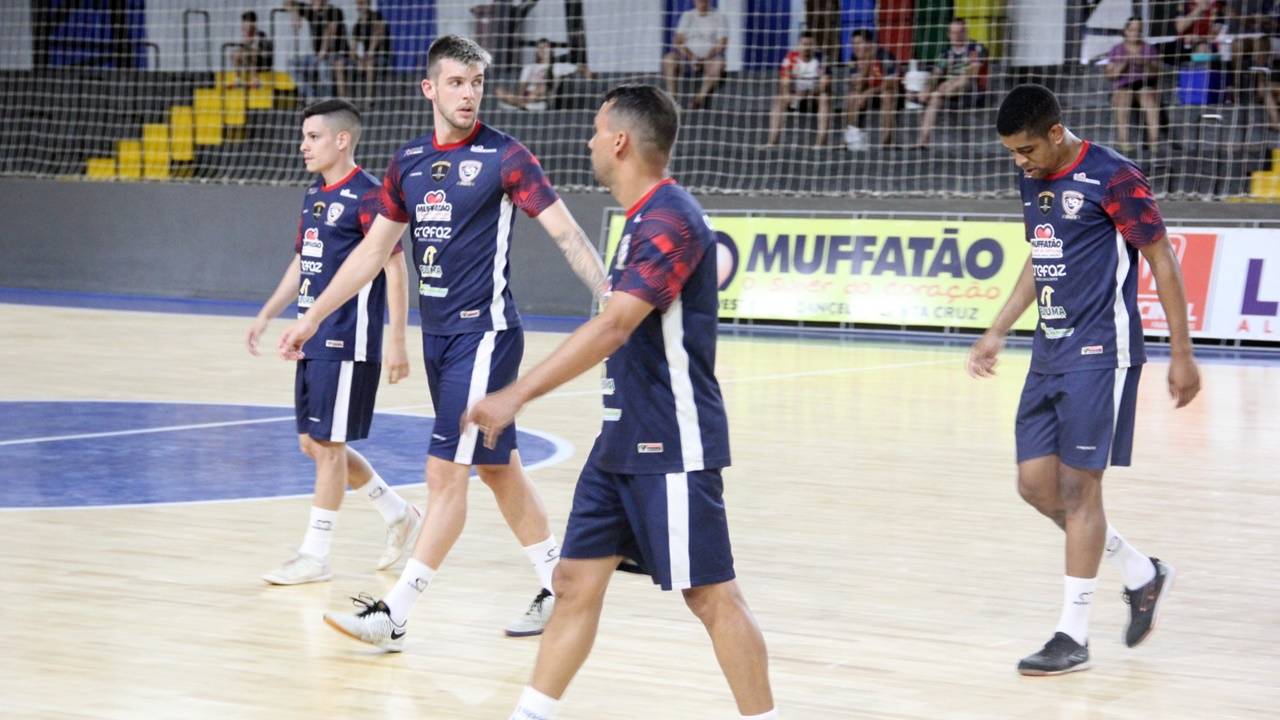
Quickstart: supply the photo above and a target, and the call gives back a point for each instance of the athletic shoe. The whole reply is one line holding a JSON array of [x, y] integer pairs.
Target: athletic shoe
[[372, 624], [1060, 655], [1144, 603], [534, 620], [401, 535], [300, 569]]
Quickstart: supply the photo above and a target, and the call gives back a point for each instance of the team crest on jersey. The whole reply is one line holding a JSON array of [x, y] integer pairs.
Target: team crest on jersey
[[429, 268], [312, 245], [1044, 245], [435, 207], [468, 171], [620, 257], [440, 170], [335, 212], [317, 209], [1072, 202], [1045, 202]]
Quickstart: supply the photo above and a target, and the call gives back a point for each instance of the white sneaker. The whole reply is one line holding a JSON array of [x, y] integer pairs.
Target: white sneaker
[[534, 620], [371, 625], [401, 535], [300, 569], [854, 139]]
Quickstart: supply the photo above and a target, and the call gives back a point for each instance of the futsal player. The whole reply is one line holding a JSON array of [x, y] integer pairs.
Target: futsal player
[[651, 488], [337, 382], [1089, 212], [457, 188]]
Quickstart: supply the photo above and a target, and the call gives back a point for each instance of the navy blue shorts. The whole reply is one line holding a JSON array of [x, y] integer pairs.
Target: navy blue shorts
[[1082, 417], [334, 399], [673, 525], [462, 369]]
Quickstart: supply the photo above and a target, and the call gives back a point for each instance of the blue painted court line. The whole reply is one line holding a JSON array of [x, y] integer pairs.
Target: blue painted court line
[[92, 454]]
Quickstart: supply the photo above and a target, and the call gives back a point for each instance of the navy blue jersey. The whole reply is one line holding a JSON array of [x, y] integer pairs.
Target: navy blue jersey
[[662, 407], [458, 200], [1085, 225], [334, 220]]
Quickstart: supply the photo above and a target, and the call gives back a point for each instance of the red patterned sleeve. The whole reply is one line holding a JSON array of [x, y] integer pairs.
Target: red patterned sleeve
[[524, 182], [370, 208], [391, 198], [663, 254], [1129, 202], [297, 243]]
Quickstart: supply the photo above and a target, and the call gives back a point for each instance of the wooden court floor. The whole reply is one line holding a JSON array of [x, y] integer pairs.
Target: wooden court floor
[[878, 536]]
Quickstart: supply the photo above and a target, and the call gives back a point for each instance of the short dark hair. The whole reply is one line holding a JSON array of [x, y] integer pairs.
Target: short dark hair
[[343, 114], [807, 34], [1031, 108], [650, 111], [249, 16], [863, 33], [457, 48], [960, 20]]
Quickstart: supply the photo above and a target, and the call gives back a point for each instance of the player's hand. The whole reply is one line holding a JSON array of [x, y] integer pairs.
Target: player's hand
[[983, 355], [294, 337], [493, 414], [397, 361], [1184, 380], [254, 334]]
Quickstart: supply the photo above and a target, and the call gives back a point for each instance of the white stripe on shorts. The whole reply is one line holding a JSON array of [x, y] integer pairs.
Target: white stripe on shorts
[[341, 402], [475, 393], [1117, 396], [678, 529]]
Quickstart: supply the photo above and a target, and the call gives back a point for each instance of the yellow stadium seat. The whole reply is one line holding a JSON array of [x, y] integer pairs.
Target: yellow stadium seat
[[129, 158], [982, 17], [227, 78], [233, 106], [284, 81], [100, 168], [155, 151], [260, 94], [207, 109], [182, 133], [1266, 184]]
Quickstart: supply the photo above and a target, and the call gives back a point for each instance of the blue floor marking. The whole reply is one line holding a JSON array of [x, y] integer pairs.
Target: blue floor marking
[[42, 468]]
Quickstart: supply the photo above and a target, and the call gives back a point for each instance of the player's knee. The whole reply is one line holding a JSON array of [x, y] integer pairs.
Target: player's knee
[[709, 601], [1037, 493], [1077, 491], [307, 446], [572, 588]]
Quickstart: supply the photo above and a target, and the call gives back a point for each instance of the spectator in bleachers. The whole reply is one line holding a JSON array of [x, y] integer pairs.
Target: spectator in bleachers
[[1133, 67], [701, 38], [804, 84], [372, 52], [1254, 25], [959, 78], [327, 67], [874, 77], [1198, 25], [253, 55], [533, 88]]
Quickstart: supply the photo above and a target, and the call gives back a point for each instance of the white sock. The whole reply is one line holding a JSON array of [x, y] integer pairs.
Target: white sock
[[405, 592], [1077, 601], [771, 715], [534, 705], [389, 505], [319, 533], [544, 556], [1136, 568]]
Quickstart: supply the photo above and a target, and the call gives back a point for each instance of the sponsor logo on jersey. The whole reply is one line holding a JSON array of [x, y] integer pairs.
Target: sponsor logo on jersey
[[1049, 272], [429, 268], [1044, 201], [313, 190], [620, 257], [607, 386], [468, 171], [469, 314], [305, 298], [1091, 350], [312, 245], [317, 209], [348, 194], [335, 212], [612, 414], [414, 151], [435, 207], [432, 233], [312, 267], [1081, 177], [1057, 333], [648, 448], [1044, 243], [1072, 202], [426, 289], [440, 170], [482, 149], [1049, 311], [335, 344]]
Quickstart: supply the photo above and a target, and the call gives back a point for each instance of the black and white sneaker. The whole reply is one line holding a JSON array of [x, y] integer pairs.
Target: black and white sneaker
[[534, 620], [1060, 655], [372, 624], [1144, 603]]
